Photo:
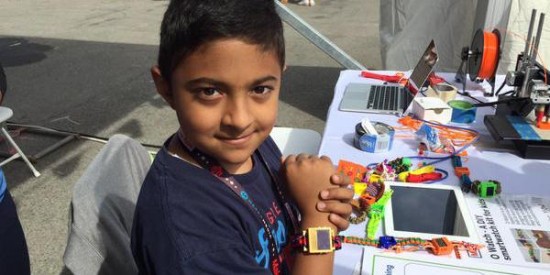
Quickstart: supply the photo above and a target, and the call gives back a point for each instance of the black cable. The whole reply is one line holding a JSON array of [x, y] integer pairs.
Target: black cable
[[467, 94], [486, 104], [511, 92], [500, 88]]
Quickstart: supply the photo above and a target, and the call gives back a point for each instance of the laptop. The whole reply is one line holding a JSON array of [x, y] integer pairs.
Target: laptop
[[389, 98]]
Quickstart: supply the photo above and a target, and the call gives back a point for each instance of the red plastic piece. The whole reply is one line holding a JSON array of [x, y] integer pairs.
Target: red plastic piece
[[424, 177], [389, 78], [435, 79]]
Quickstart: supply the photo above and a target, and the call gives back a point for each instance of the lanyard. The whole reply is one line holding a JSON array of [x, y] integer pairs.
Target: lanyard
[[233, 184]]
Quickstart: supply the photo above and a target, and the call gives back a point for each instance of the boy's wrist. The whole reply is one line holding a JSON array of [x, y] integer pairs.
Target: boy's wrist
[[317, 240], [317, 220]]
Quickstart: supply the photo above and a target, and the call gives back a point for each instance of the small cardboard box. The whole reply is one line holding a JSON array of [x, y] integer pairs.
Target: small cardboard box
[[432, 109]]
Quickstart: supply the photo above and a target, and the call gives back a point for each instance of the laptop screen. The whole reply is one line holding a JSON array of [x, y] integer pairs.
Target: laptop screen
[[389, 98], [424, 66]]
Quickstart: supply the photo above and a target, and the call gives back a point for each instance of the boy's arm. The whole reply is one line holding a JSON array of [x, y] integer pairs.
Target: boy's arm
[[306, 177]]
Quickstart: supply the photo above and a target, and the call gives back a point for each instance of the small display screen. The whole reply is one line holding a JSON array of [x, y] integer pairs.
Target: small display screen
[[323, 239], [427, 210], [441, 243], [490, 191]]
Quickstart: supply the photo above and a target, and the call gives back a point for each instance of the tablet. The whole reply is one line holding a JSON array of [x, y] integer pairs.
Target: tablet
[[428, 211]]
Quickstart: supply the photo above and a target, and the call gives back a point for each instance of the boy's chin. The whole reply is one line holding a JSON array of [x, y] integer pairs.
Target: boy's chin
[[236, 159], [236, 163]]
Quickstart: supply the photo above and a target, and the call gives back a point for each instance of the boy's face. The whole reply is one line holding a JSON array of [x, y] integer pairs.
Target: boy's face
[[226, 97]]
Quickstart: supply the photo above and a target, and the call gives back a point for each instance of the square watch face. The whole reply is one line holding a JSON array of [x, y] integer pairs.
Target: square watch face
[[320, 240], [323, 239]]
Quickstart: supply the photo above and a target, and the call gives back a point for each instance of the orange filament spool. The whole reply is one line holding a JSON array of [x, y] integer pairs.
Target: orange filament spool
[[485, 55]]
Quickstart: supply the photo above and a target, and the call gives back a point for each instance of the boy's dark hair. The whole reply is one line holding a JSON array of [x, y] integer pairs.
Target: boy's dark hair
[[189, 24]]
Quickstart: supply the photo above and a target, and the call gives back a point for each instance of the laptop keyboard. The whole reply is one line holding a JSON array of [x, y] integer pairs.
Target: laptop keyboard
[[383, 98]]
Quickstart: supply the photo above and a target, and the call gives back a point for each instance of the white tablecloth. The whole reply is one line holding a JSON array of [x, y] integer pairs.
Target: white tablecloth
[[486, 161]]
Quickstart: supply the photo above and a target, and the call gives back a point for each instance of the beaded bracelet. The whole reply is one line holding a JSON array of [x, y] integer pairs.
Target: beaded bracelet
[[437, 246]]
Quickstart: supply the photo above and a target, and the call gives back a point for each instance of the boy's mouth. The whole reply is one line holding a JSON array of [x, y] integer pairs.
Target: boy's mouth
[[236, 140]]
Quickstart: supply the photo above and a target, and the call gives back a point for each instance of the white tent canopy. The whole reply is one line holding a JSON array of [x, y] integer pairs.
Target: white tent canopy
[[407, 26]]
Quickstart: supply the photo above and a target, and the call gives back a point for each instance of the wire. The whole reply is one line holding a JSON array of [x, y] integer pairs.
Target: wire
[[500, 88], [485, 104], [511, 92], [467, 94]]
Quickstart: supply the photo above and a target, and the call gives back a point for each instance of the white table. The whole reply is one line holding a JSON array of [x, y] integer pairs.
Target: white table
[[517, 175]]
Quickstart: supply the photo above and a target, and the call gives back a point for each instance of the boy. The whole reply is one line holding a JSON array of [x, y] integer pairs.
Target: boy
[[215, 199]]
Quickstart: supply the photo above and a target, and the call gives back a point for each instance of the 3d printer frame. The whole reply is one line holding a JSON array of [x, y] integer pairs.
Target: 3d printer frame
[[527, 107]]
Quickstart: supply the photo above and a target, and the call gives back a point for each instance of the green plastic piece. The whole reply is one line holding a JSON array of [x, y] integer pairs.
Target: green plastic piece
[[406, 161], [376, 214]]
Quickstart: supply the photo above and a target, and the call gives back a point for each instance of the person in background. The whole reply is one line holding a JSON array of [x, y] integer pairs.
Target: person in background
[[309, 3], [14, 256]]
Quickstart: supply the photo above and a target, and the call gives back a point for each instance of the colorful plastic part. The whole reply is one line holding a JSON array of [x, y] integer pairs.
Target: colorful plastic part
[[424, 177], [465, 183], [376, 214], [459, 171], [386, 242], [441, 246], [486, 189], [352, 170]]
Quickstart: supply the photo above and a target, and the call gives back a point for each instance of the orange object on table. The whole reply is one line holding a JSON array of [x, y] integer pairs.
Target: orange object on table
[[396, 78], [354, 171]]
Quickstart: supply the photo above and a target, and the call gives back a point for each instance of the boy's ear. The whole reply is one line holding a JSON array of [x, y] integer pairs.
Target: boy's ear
[[163, 88]]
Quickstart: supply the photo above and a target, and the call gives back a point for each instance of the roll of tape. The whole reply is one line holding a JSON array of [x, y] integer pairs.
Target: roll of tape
[[381, 141], [463, 111], [445, 91]]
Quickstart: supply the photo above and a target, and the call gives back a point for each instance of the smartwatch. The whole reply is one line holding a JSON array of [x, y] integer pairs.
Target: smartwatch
[[317, 240]]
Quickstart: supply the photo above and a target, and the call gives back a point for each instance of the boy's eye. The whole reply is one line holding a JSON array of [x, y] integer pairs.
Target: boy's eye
[[208, 93], [262, 90]]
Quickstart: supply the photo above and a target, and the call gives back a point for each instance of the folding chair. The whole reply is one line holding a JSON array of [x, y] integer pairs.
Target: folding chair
[[292, 141], [5, 114]]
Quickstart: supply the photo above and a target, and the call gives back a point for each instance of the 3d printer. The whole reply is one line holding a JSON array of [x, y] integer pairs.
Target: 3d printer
[[522, 115]]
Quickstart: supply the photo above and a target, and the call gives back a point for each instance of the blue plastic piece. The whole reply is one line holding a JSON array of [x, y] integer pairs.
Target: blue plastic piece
[[466, 180], [465, 183], [386, 242]]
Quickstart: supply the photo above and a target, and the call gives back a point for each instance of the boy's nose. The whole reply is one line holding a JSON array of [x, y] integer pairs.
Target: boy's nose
[[237, 115]]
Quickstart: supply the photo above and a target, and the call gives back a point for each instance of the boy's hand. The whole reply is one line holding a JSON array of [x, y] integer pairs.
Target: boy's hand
[[306, 176], [317, 190], [336, 201]]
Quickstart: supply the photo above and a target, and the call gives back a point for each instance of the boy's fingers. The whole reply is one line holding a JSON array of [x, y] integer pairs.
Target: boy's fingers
[[335, 207], [303, 157], [339, 179], [341, 223], [289, 159], [342, 194], [325, 158]]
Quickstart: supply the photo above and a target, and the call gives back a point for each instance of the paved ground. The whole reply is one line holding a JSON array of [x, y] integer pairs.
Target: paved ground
[[82, 66]]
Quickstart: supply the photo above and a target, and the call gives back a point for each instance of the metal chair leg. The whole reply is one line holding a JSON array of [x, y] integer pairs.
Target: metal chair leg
[[22, 155]]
